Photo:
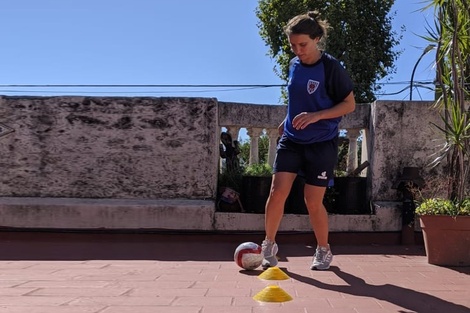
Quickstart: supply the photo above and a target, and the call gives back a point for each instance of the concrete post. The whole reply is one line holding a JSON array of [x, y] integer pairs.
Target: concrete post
[[353, 135], [273, 134], [254, 133]]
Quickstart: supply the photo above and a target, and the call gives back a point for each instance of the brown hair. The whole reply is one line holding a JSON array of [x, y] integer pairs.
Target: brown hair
[[308, 24]]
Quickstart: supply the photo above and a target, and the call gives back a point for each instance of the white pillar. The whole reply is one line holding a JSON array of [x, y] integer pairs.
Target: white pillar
[[272, 134], [352, 134], [254, 133], [364, 151]]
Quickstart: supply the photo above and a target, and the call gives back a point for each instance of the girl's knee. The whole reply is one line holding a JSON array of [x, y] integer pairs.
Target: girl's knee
[[314, 207], [278, 193]]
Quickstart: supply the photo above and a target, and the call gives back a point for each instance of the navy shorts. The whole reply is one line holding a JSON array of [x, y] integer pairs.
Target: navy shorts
[[315, 162]]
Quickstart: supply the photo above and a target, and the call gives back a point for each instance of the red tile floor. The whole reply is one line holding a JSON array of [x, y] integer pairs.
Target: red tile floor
[[44, 272]]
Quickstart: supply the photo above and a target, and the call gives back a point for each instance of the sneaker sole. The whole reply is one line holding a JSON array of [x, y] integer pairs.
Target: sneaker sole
[[318, 268], [269, 263]]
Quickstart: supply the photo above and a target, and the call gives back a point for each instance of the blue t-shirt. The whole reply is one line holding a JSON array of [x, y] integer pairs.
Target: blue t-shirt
[[313, 88]]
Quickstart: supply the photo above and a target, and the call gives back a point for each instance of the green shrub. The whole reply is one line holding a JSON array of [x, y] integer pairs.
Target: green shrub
[[262, 169], [439, 206]]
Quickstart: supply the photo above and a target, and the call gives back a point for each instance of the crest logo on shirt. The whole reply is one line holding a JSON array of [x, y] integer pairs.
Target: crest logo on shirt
[[312, 85]]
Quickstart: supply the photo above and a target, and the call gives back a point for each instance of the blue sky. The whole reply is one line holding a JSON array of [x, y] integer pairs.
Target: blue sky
[[156, 42]]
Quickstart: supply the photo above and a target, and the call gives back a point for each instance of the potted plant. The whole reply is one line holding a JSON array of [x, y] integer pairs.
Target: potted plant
[[445, 220], [256, 185], [347, 195], [446, 231]]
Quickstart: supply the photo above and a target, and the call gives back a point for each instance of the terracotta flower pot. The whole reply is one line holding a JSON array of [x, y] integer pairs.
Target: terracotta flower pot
[[446, 239]]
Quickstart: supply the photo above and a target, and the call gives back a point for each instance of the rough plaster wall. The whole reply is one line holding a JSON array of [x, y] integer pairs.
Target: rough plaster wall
[[251, 115], [270, 116], [168, 147], [90, 147], [402, 136]]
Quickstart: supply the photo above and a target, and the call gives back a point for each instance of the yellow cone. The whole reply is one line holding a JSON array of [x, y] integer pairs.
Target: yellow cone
[[272, 294], [273, 273]]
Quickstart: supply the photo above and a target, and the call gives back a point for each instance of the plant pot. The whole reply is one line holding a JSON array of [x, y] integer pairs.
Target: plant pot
[[350, 195], [295, 203], [254, 193], [446, 239]]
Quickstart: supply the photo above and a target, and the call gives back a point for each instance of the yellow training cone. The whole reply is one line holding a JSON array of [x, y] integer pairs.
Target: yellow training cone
[[272, 294], [273, 273]]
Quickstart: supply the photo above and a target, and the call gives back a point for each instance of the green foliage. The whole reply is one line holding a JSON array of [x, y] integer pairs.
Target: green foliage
[[361, 37], [231, 179], [439, 206], [452, 38], [261, 169], [343, 146], [263, 146]]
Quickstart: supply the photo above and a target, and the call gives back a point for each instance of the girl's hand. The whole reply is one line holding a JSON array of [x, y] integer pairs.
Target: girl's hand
[[304, 119]]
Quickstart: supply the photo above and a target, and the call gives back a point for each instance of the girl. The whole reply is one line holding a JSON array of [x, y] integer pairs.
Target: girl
[[320, 92]]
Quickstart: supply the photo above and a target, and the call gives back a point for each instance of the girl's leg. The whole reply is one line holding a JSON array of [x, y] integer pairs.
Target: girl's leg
[[280, 188], [317, 213], [319, 220]]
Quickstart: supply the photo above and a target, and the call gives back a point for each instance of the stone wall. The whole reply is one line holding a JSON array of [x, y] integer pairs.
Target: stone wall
[[91, 147], [151, 163], [270, 116], [163, 148], [398, 134], [401, 135]]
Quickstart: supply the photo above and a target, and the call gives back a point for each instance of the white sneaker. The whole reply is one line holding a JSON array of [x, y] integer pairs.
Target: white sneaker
[[269, 249], [322, 258]]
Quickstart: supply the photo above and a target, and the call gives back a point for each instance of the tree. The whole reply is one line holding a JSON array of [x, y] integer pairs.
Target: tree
[[361, 37], [452, 37]]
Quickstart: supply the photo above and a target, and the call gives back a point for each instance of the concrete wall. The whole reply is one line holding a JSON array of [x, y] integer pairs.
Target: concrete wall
[[398, 134], [401, 135], [163, 148], [251, 115], [270, 116], [162, 156], [82, 147]]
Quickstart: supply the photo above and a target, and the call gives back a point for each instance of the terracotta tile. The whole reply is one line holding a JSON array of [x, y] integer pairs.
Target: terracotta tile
[[15, 291], [51, 309], [362, 279], [122, 301], [167, 292], [34, 301], [202, 301], [77, 292], [152, 309]]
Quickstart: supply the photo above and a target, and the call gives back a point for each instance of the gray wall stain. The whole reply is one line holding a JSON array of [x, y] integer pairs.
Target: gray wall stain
[[109, 147]]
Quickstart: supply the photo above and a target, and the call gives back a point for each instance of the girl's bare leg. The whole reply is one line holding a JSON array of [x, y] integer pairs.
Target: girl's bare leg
[[280, 188], [317, 213]]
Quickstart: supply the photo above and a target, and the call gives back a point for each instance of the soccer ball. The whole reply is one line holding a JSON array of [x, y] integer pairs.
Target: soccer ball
[[248, 255]]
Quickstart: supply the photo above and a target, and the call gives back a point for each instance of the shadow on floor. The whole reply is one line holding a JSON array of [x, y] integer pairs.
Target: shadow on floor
[[408, 299]]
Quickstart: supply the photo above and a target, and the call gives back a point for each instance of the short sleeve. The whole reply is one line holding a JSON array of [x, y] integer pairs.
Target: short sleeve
[[338, 83]]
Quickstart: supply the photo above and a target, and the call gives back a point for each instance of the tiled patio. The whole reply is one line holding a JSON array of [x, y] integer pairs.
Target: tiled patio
[[195, 273]]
